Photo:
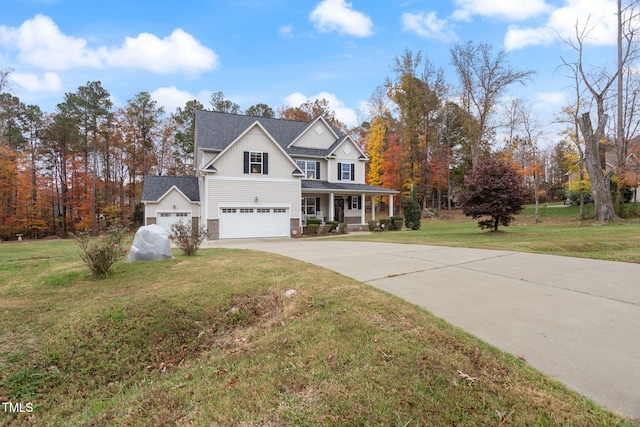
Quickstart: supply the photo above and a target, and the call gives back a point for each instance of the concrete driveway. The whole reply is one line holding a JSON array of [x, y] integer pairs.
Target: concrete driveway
[[575, 319]]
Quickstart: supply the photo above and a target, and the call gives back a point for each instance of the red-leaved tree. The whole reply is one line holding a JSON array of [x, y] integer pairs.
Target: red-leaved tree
[[493, 189]]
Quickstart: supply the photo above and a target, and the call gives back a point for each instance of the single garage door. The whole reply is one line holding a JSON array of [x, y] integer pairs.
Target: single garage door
[[166, 219], [254, 222]]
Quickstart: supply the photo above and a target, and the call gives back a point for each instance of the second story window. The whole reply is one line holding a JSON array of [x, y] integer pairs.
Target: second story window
[[346, 172], [256, 162], [310, 169]]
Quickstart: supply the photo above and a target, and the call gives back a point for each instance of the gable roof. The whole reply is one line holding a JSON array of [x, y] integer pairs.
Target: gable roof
[[155, 187], [216, 131], [256, 123]]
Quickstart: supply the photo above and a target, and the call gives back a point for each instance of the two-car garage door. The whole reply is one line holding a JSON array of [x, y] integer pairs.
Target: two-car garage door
[[237, 222]]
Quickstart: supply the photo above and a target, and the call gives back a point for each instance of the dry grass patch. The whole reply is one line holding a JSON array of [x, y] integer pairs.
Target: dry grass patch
[[215, 340]]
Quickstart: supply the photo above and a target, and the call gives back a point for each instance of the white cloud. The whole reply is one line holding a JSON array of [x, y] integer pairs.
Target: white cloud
[[285, 31], [39, 42], [337, 15], [506, 9], [553, 99], [517, 38], [600, 14], [180, 52], [427, 24], [171, 98], [344, 114], [33, 83]]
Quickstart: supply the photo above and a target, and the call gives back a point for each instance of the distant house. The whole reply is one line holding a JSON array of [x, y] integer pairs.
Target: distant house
[[631, 167], [262, 177]]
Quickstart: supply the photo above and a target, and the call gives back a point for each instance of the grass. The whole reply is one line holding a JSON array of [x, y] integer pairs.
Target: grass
[[560, 232], [214, 340]]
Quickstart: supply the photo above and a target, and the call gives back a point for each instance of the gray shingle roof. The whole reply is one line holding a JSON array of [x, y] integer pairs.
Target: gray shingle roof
[[156, 186], [215, 131], [313, 184]]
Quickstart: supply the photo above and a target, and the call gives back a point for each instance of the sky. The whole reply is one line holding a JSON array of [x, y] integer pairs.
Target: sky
[[285, 52]]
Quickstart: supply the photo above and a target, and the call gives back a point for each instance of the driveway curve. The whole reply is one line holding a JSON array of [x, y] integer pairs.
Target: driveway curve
[[575, 319]]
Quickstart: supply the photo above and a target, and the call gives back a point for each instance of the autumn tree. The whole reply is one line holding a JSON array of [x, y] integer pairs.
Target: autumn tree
[[309, 110], [484, 78], [493, 189]]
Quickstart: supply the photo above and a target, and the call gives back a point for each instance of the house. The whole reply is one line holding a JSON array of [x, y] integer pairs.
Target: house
[[263, 177]]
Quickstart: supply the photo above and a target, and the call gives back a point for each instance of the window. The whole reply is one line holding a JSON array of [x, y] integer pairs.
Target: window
[[263, 210], [355, 202], [346, 171], [309, 206], [184, 214], [228, 210], [246, 210], [256, 162], [311, 169], [279, 210]]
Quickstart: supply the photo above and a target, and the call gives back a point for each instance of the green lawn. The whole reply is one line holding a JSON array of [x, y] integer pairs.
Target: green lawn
[[560, 232], [213, 340]]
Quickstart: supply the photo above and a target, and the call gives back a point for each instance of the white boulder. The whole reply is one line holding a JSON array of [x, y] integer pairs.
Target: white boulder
[[151, 243]]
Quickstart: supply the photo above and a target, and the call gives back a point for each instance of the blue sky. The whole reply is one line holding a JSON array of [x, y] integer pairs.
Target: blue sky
[[283, 52]]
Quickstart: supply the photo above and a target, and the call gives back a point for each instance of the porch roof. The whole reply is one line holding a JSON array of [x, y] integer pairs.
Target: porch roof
[[317, 186]]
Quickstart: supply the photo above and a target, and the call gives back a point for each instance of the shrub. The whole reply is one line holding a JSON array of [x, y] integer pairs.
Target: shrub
[[342, 228], [100, 253], [187, 238], [412, 211], [385, 224], [312, 228], [397, 222], [317, 221], [329, 226], [372, 225]]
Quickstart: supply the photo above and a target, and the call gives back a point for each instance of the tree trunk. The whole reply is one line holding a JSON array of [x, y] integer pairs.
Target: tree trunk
[[599, 181]]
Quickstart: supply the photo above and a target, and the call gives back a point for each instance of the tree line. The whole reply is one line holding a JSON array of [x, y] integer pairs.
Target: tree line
[[83, 165]]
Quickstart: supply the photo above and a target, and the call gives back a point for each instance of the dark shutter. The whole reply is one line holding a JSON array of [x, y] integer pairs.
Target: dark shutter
[[359, 202], [317, 204], [339, 171], [265, 163], [246, 162], [349, 202], [317, 170], [353, 172]]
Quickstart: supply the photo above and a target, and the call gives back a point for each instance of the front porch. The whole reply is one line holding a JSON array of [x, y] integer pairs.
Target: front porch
[[353, 204]]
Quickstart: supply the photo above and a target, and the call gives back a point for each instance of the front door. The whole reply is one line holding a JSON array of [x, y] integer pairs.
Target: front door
[[339, 209]]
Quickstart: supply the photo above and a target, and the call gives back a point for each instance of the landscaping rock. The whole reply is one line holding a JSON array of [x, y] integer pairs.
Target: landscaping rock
[[151, 243]]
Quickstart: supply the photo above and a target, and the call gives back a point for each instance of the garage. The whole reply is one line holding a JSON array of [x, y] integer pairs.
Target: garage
[[167, 219], [237, 222]]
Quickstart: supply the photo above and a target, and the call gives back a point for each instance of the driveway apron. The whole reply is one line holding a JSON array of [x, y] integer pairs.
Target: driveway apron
[[575, 319]]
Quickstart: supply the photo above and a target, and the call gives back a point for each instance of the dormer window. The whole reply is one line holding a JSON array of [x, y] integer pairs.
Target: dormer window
[[256, 162], [310, 169]]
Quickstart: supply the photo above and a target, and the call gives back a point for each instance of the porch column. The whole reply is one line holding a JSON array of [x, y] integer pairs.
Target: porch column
[[332, 208], [363, 221], [390, 205], [373, 208]]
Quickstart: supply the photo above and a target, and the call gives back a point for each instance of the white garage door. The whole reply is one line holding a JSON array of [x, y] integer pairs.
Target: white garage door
[[166, 219], [254, 222]]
